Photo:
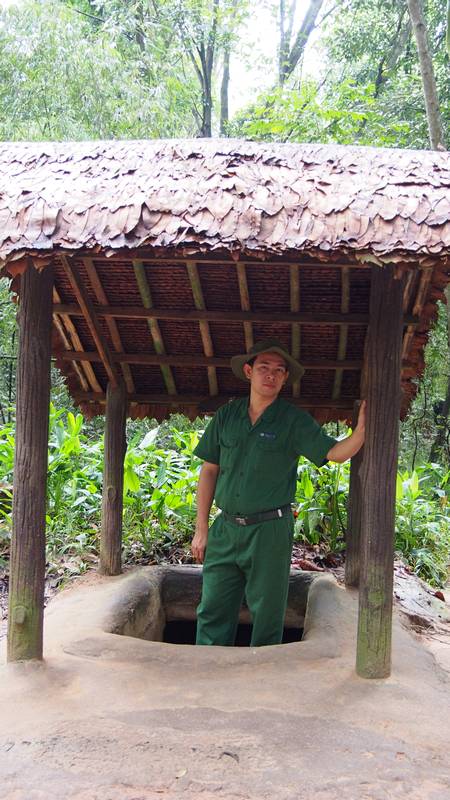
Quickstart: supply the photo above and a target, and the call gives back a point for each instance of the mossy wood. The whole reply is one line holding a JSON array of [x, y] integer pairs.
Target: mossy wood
[[112, 497], [378, 474], [353, 536], [27, 564]]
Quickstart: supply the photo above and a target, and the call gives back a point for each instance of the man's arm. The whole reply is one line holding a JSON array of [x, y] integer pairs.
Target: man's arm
[[348, 447], [205, 494]]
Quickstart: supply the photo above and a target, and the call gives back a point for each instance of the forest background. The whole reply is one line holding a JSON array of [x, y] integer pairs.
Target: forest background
[[342, 71]]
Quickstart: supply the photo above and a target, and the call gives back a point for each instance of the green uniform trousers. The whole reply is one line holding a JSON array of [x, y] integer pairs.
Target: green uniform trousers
[[251, 560]]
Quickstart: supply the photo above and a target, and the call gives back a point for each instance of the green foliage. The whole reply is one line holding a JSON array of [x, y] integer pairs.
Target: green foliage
[[422, 514], [159, 490], [420, 428], [372, 43], [369, 88], [321, 504], [8, 353], [61, 77], [423, 521], [345, 115], [161, 475]]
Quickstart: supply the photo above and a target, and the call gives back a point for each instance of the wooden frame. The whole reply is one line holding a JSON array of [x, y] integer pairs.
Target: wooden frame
[[378, 474], [27, 560]]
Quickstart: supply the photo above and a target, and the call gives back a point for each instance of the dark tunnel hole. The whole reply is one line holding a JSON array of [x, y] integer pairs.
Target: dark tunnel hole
[[183, 632]]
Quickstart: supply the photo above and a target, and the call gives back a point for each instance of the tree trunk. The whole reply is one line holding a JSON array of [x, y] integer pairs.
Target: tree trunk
[[436, 132], [291, 59], [224, 113], [379, 472], [286, 17], [27, 568], [206, 126], [112, 498]]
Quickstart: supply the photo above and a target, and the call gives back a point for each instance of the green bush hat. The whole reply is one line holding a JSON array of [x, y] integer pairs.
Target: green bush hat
[[267, 346]]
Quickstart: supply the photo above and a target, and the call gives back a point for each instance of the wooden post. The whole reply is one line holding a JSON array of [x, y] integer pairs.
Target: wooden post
[[27, 566], [112, 498], [353, 538], [378, 474]]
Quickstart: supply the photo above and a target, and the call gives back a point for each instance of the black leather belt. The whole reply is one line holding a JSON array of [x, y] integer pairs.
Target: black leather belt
[[253, 519]]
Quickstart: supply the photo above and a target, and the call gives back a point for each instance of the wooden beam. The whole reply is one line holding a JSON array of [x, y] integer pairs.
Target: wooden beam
[[411, 276], [203, 259], [343, 332], [77, 366], [304, 317], [91, 318], [379, 473], [63, 324], [422, 291], [190, 360], [155, 331], [245, 302], [112, 495], [27, 565], [294, 279], [207, 401], [205, 332], [110, 322]]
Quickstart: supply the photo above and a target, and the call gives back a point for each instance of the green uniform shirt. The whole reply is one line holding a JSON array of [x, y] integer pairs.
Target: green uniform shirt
[[258, 464]]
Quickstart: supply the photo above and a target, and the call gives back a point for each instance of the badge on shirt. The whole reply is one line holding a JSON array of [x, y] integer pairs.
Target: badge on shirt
[[267, 436]]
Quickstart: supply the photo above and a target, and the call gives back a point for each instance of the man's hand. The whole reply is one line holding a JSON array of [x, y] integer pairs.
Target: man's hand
[[205, 493], [347, 448], [198, 545], [361, 424]]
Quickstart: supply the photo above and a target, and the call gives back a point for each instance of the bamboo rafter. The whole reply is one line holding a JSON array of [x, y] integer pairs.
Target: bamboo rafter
[[69, 336], [409, 289], [294, 292], [245, 302], [424, 282], [158, 343], [343, 332], [190, 360], [110, 322], [205, 332], [150, 313], [91, 318], [204, 402]]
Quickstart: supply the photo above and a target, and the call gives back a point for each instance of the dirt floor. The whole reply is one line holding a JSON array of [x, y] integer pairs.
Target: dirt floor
[[108, 717]]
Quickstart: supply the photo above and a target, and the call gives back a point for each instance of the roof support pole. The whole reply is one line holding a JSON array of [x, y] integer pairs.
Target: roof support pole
[[353, 538], [112, 498], [378, 473], [27, 572]]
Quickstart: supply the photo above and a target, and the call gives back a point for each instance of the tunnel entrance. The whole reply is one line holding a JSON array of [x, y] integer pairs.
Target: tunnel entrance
[[181, 631], [160, 605]]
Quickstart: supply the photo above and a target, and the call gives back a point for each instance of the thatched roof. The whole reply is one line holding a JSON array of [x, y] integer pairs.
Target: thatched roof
[[233, 195], [172, 256]]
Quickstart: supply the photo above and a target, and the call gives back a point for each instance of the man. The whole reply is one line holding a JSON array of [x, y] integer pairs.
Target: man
[[250, 451]]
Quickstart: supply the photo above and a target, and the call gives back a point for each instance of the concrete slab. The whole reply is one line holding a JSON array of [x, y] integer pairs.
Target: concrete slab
[[111, 717]]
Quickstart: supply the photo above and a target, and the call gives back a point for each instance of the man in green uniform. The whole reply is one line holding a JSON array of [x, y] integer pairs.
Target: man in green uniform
[[250, 451]]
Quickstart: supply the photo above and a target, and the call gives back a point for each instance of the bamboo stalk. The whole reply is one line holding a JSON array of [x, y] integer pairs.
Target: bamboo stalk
[[205, 332], [158, 343]]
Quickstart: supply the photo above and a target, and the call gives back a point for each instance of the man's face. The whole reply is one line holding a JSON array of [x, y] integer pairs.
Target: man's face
[[267, 374]]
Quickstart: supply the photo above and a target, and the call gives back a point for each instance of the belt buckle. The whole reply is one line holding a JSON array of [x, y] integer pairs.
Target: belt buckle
[[240, 520]]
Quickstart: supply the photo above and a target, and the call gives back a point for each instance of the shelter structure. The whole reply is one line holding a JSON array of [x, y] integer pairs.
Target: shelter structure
[[143, 266]]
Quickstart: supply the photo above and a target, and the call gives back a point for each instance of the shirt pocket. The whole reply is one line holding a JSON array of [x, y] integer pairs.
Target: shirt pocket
[[228, 453], [270, 456]]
